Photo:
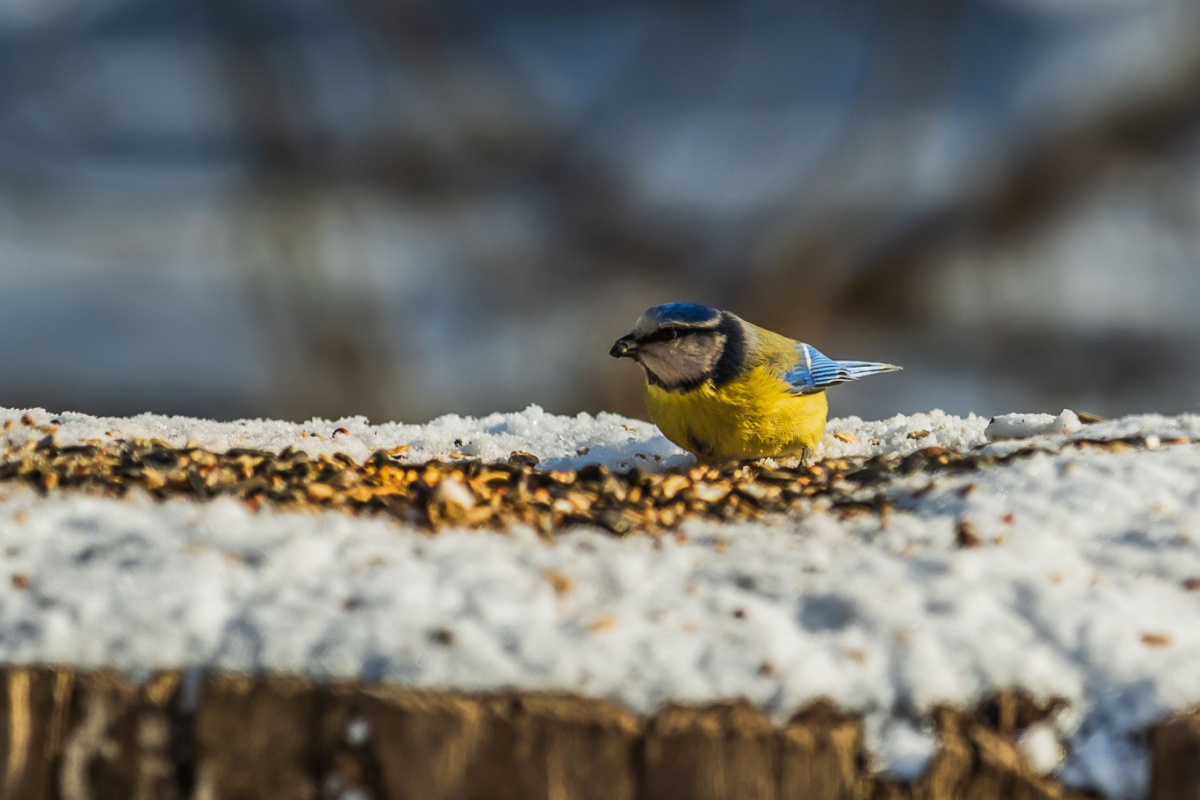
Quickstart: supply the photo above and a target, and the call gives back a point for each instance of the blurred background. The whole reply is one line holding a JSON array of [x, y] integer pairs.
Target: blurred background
[[402, 209]]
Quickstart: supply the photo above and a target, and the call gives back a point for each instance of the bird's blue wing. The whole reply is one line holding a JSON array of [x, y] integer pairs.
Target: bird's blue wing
[[814, 371]]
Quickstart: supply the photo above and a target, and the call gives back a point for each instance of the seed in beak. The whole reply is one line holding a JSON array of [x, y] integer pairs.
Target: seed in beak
[[622, 347]]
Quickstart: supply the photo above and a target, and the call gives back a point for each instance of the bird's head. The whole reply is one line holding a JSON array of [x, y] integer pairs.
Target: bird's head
[[680, 345]]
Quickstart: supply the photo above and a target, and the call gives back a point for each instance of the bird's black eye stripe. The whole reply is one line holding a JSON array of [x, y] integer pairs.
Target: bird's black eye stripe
[[666, 335]]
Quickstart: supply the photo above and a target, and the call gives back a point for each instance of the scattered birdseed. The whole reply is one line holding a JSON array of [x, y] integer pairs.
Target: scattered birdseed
[[562, 583], [476, 494], [966, 535]]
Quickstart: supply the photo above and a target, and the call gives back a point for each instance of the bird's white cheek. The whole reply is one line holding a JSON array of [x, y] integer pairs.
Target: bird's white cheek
[[673, 365]]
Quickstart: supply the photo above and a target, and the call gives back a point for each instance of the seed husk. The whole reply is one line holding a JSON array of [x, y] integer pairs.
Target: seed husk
[[496, 496]]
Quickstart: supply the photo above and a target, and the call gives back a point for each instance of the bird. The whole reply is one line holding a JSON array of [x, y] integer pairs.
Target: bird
[[726, 390]]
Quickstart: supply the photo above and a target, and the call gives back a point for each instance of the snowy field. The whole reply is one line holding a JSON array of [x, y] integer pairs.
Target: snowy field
[[1080, 580]]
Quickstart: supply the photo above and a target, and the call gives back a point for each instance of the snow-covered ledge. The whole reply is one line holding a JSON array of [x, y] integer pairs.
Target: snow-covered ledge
[[1071, 572]]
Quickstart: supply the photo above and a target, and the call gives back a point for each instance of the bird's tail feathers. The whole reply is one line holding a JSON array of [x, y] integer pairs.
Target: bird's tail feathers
[[817, 371], [853, 370], [828, 372]]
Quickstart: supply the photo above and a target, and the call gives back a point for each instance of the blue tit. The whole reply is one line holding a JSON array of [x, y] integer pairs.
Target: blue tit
[[724, 389]]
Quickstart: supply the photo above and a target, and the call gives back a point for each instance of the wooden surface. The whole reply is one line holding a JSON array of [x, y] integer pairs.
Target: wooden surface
[[91, 736]]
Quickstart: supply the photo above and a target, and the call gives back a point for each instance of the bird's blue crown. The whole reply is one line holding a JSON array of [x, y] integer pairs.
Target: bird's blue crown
[[687, 313]]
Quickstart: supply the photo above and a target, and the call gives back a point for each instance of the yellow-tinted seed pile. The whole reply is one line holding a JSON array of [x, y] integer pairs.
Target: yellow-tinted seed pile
[[478, 494]]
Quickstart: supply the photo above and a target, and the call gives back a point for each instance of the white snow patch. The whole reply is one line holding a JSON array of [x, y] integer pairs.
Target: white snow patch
[[560, 442], [1079, 589], [904, 751], [1024, 426], [1041, 747]]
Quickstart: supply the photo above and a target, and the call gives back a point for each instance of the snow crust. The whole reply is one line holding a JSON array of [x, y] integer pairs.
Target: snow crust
[[560, 442], [1024, 426], [1084, 586], [1040, 745]]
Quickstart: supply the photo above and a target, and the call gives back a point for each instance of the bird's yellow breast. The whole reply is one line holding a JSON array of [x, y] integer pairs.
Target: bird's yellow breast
[[757, 415]]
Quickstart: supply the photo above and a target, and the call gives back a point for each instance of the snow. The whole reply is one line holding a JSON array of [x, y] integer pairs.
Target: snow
[[1079, 588], [607, 438], [1024, 426], [1040, 745], [906, 750]]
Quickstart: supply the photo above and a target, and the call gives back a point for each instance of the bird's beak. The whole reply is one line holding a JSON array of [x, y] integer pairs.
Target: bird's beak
[[624, 347]]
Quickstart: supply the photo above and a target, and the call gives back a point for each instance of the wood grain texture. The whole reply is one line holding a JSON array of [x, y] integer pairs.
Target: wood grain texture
[[93, 736], [722, 751], [1175, 759]]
